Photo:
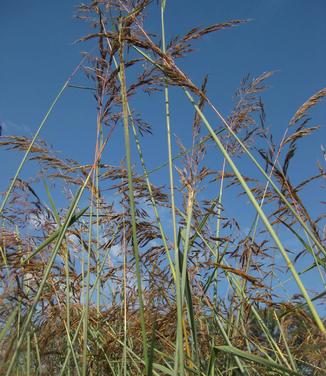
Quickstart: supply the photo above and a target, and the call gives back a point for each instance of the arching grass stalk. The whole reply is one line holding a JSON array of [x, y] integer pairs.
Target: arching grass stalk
[[125, 305], [94, 192], [263, 216], [252, 233], [179, 363], [60, 238], [53, 236], [276, 189], [218, 229], [283, 336], [99, 142], [132, 199], [146, 172], [150, 191], [185, 284], [253, 159], [227, 340], [87, 286], [133, 356], [93, 288], [68, 333], [98, 226], [234, 283], [56, 99], [180, 154], [269, 364], [44, 279], [233, 280], [38, 356], [66, 262], [186, 239]]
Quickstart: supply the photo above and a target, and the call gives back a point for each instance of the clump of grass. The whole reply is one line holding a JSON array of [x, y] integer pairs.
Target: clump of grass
[[108, 287]]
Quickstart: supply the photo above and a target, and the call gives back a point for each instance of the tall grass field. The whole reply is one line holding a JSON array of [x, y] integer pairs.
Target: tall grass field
[[210, 261]]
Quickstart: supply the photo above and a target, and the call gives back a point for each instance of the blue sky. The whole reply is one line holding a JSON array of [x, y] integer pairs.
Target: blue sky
[[38, 54]]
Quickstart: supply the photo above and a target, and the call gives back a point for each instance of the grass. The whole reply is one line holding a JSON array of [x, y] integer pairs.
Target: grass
[[113, 288]]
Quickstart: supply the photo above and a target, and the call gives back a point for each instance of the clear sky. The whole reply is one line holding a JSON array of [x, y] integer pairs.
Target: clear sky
[[38, 54]]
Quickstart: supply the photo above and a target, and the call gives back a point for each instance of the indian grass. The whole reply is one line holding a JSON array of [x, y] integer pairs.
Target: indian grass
[[179, 354], [131, 198], [112, 289]]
